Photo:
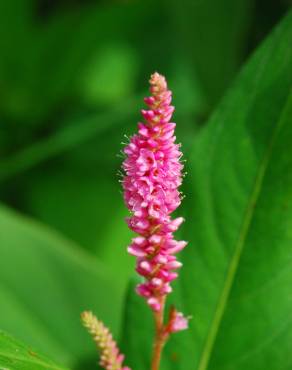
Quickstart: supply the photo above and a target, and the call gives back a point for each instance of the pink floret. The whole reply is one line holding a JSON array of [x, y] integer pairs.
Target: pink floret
[[178, 323]]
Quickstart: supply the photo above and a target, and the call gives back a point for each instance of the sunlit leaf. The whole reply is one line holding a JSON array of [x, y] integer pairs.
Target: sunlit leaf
[[17, 356]]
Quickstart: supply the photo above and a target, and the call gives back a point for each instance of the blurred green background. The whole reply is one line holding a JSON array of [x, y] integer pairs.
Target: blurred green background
[[72, 77]]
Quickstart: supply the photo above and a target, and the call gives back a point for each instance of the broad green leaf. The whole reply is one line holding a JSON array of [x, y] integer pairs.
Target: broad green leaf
[[46, 282], [236, 279], [137, 330], [17, 356]]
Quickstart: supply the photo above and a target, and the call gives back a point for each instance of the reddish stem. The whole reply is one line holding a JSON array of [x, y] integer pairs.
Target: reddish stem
[[160, 336]]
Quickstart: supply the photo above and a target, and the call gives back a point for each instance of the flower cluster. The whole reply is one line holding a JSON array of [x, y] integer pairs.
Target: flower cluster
[[110, 357], [153, 173]]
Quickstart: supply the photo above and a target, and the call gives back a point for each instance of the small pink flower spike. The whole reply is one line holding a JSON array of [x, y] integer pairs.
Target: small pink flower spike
[[110, 356], [153, 173], [177, 321]]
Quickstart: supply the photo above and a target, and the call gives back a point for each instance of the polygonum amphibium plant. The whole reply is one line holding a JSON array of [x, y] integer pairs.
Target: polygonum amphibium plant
[[153, 174]]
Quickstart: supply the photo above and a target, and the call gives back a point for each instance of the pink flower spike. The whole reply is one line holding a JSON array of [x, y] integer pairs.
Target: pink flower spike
[[153, 173], [179, 323]]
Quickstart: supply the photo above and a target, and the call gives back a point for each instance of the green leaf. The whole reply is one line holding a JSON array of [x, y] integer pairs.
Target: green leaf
[[236, 279], [46, 282], [17, 356]]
